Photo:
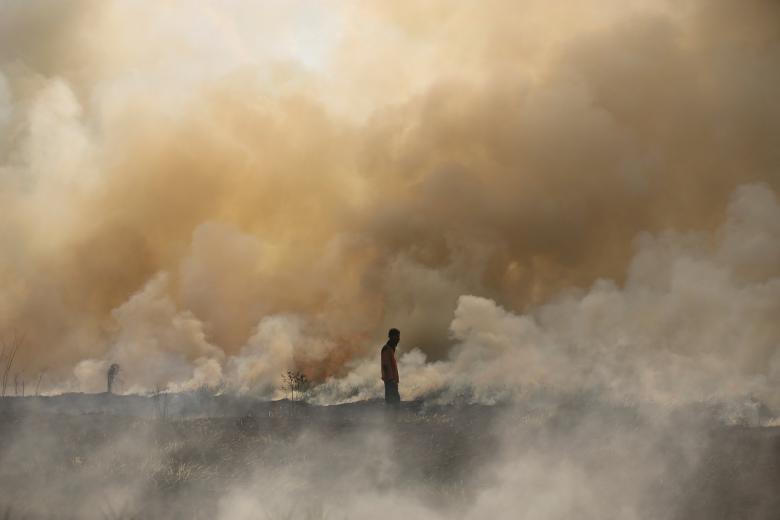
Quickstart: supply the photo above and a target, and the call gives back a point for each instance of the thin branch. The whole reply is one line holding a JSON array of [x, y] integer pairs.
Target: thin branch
[[11, 347]]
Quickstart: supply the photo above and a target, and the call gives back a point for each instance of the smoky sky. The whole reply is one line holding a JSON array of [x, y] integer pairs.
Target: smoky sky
[[196, 184]]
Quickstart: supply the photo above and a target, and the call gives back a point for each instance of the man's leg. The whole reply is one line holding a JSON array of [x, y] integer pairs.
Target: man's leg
[[396, 395], [388, 392]]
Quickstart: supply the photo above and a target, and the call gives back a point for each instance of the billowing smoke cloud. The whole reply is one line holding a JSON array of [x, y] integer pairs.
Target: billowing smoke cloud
[[692, 321], [211, 194]]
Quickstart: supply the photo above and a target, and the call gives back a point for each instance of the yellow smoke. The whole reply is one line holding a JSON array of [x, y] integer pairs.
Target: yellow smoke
[[354, 165]]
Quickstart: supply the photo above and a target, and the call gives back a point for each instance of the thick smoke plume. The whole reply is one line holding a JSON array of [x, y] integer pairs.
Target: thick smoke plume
[[211, 194], [694, 320]]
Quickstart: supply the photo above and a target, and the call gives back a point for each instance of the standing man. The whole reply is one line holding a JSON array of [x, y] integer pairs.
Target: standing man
[[389, 368]]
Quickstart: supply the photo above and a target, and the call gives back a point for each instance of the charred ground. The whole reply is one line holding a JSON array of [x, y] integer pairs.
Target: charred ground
[[199, 456]]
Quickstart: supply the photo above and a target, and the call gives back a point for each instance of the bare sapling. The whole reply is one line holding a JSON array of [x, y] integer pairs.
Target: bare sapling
[[38, 383], [19, 383], [8, 350], [295, 385]]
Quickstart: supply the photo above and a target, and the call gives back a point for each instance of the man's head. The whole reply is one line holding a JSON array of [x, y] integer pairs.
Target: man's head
[[393, 337]]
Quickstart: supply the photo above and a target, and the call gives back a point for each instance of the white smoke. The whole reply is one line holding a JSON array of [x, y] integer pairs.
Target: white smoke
[[156, 345], [692, 321]]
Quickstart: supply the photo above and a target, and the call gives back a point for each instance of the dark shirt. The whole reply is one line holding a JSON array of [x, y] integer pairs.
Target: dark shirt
[[389, 367]]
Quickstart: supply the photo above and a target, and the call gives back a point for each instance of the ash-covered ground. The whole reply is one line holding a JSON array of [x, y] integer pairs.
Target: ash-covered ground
[[548, 457]]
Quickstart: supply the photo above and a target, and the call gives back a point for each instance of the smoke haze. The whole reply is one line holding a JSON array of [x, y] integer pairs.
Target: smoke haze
[[538, 197]]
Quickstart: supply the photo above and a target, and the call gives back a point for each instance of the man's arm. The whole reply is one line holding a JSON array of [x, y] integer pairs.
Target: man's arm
[[386, 372]]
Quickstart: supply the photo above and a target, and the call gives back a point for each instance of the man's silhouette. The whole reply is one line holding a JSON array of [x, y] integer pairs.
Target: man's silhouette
[[389, 368]]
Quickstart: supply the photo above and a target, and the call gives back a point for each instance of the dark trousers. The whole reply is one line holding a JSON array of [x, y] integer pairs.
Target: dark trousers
[[391, 393]]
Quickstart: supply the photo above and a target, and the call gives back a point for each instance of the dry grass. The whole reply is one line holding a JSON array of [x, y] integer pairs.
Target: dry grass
[[59, 460]]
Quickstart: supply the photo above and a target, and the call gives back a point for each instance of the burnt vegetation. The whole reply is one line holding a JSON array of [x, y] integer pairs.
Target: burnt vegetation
[[88, 445], [179, 455]]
